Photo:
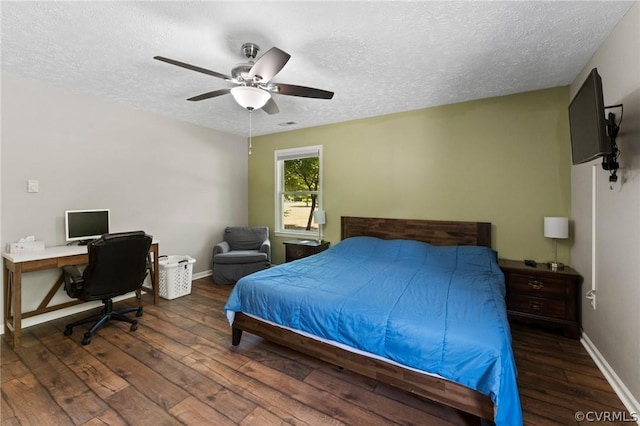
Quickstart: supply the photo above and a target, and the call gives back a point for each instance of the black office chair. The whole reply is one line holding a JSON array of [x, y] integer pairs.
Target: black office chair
[[117, 265]]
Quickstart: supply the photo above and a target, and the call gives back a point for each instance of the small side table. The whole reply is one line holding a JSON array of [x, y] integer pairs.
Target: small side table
[[542, 296], [297, 249]]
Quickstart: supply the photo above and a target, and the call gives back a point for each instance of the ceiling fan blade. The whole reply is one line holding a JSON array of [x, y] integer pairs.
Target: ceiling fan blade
[[192, 67], [269, 64], [210, 95], [302, 91], [270, 107]]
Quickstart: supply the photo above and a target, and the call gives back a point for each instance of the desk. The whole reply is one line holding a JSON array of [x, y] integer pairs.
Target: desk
[[49, 258]]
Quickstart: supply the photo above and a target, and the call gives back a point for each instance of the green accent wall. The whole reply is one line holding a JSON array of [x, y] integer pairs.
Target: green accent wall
[[504, 160]]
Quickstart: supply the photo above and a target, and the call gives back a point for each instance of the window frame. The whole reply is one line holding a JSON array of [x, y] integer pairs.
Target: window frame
[[279, 158]]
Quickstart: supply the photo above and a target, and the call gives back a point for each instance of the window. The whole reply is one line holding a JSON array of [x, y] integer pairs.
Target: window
[[298, 190]]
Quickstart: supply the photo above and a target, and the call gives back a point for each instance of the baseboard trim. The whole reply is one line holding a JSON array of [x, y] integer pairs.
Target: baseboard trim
[[202, 274], [50, 316], [630, 403], [39, 319]]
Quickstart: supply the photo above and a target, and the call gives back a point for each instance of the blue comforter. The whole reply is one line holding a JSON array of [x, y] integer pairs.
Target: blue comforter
[[437, 309]]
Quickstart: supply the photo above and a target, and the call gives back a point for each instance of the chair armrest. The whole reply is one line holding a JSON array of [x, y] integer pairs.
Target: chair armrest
[[266, 248], [72, 273], [73, 280], [222, 247]]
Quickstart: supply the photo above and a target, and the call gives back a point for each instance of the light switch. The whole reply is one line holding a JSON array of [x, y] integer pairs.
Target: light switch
[[32, 185]]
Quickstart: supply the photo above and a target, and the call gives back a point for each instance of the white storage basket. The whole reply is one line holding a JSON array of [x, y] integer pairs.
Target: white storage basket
[[175, 276]]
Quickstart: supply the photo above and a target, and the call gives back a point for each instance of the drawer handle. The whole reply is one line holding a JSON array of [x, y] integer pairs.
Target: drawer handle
[[536, 285], [536, 306]]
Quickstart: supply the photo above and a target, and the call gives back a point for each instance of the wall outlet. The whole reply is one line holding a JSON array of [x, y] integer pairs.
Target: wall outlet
[[32, 185]]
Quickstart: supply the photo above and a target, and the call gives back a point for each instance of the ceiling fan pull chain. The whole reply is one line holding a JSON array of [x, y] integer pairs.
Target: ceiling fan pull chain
[[250, 132]]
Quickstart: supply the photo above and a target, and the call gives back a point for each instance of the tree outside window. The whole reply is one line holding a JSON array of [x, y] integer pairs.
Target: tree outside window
[[298, 189]]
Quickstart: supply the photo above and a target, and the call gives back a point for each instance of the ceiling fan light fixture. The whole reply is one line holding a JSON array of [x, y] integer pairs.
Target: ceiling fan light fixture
[[250, 97]]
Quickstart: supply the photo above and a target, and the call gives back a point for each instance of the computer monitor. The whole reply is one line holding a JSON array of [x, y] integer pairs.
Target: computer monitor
[[86, 225]]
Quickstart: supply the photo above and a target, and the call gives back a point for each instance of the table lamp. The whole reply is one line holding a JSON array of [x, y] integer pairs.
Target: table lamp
[[320, 219], [556, 227]]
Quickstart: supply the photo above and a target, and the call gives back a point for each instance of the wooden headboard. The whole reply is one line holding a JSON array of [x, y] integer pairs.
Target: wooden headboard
[[435, 232]]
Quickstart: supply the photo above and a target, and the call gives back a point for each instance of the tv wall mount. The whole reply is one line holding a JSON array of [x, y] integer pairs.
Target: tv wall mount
[[610, 161]]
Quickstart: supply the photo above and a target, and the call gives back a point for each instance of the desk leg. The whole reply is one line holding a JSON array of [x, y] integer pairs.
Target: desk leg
[[156, 274], [6, 292], [12, 304]]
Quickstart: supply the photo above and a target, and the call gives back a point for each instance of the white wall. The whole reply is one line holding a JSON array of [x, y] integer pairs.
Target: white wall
[[179, 182], [613, 329]]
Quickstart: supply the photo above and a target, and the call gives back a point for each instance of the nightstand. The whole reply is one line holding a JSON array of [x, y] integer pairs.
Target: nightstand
[[297, 249], [538, 295]]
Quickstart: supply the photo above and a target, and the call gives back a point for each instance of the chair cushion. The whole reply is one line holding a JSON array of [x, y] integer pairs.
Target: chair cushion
[[240, 256], [245, 237]]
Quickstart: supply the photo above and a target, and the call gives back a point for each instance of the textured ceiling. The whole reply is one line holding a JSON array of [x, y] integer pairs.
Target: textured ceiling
[[378, 57]]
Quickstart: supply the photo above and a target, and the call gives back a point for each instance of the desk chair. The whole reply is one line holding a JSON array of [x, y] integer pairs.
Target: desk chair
[[117, 265]]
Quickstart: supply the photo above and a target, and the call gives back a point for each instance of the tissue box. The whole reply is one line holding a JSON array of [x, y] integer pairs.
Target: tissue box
[[24, 246]]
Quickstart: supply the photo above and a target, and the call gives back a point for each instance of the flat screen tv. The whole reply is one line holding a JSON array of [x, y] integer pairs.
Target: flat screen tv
[[588, 123], [86, 225]]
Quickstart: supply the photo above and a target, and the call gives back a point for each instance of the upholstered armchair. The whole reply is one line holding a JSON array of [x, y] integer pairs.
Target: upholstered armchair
[[245, 250]]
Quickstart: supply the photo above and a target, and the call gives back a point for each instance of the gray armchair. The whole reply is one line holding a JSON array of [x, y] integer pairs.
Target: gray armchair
[[245, 250]]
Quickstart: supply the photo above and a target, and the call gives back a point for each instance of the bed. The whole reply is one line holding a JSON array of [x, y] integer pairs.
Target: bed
[[416, 304]]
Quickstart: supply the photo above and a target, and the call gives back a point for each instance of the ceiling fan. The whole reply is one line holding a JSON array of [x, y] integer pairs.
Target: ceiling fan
[[253, 85]]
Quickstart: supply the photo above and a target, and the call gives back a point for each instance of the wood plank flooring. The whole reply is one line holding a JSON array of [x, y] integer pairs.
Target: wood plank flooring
[[179, 368]]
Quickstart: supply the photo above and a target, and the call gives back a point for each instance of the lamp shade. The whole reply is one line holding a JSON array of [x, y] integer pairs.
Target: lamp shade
[[319, 217], [556, 227], [250, 97]]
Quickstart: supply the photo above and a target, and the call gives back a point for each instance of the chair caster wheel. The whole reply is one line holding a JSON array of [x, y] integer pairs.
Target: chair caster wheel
[[68, 330], [134, 326], [87, 339], [139, 312]]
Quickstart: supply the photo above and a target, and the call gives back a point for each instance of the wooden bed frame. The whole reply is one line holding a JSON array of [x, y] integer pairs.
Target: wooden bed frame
[[437, 232], [430, 387]]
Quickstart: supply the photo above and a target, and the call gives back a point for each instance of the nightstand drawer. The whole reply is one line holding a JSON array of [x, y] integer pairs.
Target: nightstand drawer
[[539, 306], [298, 249], [537, 286], [298, 252]]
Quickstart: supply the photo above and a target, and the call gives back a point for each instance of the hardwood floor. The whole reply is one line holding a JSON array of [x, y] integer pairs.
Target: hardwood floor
[[180, 367]]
